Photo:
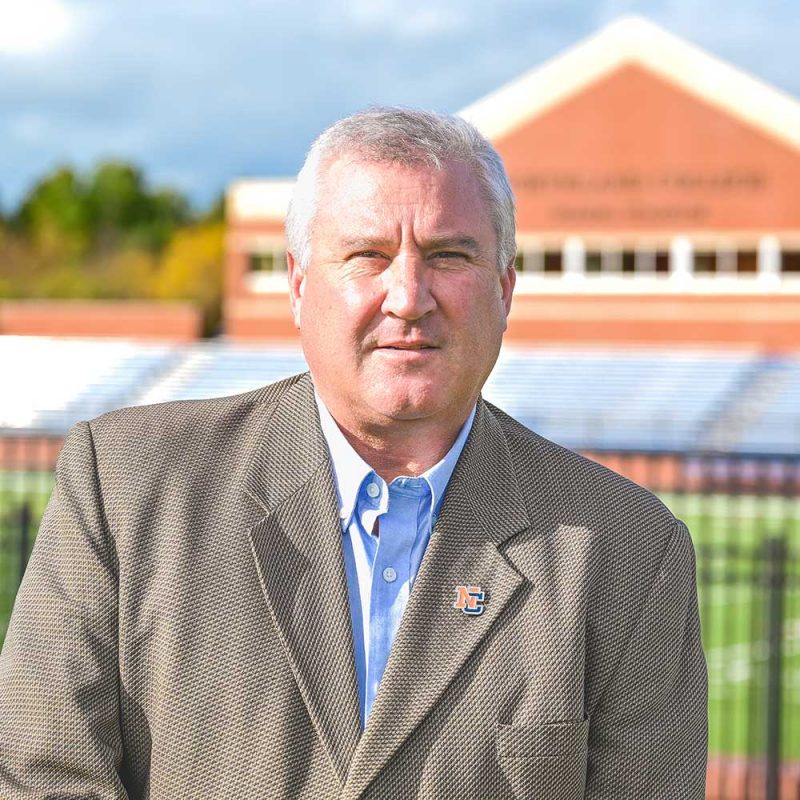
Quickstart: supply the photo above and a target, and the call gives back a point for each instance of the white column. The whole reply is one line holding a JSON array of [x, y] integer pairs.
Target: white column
[[681, 259], [769, 259], [574, 257]]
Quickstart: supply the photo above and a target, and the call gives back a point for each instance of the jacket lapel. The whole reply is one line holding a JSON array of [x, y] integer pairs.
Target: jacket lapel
[[297, 548], [482, 508]]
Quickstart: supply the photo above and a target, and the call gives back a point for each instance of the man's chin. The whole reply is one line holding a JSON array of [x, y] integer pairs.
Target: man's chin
[[408, 404]]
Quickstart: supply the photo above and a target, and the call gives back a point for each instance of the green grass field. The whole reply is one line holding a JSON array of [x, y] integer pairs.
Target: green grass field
[[728, 533], [16, 489]]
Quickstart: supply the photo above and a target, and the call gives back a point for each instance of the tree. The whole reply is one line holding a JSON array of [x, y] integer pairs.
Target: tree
[[191, 269], [124, 212], [54, 216], [109, 235], [216, 211]]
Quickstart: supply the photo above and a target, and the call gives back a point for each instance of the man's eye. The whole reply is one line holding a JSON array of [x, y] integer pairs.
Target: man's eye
[[367, 254], [448, 254]]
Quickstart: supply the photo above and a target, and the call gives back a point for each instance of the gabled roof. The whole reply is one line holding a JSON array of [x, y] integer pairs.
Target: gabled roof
[[634, 40]]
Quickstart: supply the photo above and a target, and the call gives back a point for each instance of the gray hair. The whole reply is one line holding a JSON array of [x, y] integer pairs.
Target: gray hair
[[409, 137]]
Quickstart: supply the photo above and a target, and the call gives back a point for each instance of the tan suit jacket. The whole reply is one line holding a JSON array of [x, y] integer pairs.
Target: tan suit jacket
[[183, 629]]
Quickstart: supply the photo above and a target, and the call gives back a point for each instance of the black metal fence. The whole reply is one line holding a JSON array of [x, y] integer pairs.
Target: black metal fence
[[744, 516]]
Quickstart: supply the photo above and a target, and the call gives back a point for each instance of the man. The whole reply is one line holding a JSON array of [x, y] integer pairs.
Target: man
[[366, 582]]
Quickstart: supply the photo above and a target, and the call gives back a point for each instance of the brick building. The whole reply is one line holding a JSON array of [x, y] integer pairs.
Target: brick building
[[657, 195]]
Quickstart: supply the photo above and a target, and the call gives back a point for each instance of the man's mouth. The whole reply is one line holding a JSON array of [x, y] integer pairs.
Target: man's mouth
[[407, 347]]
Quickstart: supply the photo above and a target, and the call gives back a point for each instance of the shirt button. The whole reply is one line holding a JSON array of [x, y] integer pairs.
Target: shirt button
[[389, 575], [373, 490]]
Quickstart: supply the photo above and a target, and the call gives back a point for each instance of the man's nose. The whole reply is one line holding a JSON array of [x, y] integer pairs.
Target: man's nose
[[407, 286]]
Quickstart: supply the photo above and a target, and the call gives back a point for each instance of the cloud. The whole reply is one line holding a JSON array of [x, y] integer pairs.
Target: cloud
[[405, 19], [201, 92], [34, 26]]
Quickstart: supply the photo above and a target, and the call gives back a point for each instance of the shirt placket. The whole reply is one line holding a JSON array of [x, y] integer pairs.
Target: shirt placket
[[391, 575]]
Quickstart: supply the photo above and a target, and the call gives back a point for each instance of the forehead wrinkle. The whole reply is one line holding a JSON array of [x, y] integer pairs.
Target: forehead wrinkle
[[381, 209], [359, 242]]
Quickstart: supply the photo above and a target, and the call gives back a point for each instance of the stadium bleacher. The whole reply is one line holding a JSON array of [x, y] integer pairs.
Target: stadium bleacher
[[775, 422], [218, 368], [617, 399], [50, 383], [651, 400]]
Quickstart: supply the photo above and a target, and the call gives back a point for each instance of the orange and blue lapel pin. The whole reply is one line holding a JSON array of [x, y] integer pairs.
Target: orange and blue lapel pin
[[470, 599]]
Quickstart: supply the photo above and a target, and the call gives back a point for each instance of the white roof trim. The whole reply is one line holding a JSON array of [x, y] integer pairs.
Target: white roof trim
[[257, 200], [636, 40]]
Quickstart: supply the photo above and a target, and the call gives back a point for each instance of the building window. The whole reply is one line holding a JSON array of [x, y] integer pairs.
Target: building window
[[790, 262], [628, 261], [553, 261], [612, 260], [269, 262], [594, 261], [705, 262], [609, 260], [646, 261], [747, 262], [723, 261], [529, 260], [727, 260]]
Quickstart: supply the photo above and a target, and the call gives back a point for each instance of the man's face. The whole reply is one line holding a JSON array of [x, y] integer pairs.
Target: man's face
[[403, 307]]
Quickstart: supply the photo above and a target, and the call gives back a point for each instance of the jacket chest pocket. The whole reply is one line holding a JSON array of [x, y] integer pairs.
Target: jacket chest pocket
[[544, 761]]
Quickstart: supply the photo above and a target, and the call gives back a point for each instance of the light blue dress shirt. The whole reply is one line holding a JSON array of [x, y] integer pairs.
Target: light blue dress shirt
[[386, 530]]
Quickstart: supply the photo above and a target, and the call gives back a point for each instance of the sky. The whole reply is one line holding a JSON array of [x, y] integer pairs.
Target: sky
[[201, 92]]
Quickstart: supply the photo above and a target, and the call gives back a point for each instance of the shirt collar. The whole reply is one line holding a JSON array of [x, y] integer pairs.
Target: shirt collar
[[350, 470], [438, 476]]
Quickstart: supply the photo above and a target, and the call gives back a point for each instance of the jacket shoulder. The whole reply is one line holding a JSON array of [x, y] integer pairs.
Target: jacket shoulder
[[582, 488], [184, 420], [179, 441]]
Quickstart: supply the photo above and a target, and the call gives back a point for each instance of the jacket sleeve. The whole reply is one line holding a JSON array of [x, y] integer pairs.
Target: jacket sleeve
[[648, 734], [59, 678]]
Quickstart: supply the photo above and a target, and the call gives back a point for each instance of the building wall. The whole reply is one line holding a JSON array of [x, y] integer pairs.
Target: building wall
[[633, 153], [770, 324], [177, 322], [645, 215]]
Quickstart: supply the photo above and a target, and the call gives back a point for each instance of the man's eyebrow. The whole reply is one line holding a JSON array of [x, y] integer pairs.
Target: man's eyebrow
[[365, 243], [447, 241], [457, 241]]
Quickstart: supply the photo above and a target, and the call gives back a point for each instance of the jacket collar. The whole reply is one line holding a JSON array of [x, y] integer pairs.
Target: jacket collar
[[297, 547]]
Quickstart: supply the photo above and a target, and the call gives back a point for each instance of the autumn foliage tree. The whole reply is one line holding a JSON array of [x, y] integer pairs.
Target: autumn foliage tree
[[107, 234], [190, 269]]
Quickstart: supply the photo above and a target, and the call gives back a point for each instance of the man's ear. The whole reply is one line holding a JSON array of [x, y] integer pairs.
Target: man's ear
[[297, 281], [507, 281]]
